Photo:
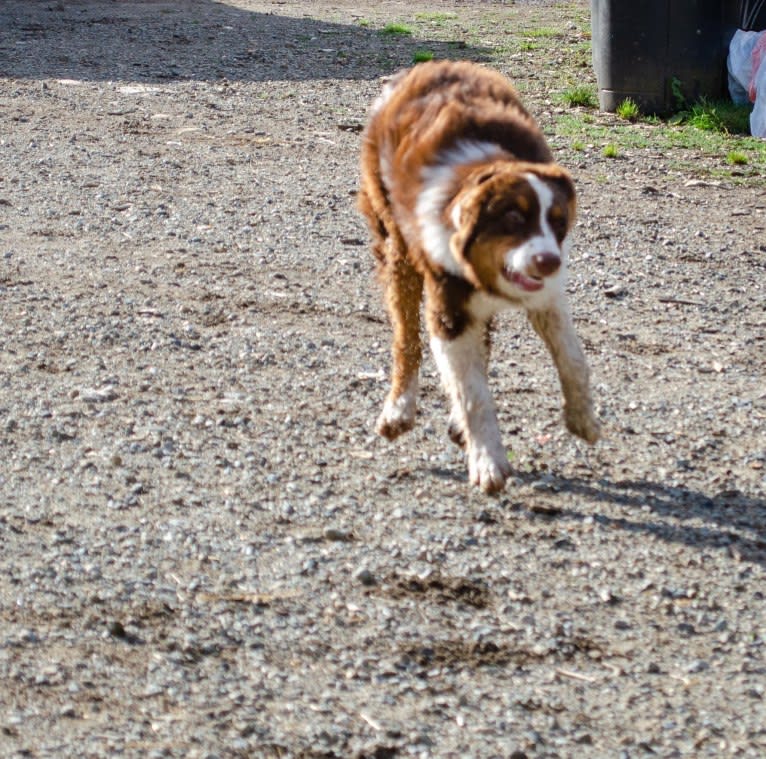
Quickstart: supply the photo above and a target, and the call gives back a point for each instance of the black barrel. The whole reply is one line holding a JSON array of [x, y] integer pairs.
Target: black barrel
[[641, 48]]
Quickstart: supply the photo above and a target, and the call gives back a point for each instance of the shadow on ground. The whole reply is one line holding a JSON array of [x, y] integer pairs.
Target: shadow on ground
[[158, 40], [737, 520]]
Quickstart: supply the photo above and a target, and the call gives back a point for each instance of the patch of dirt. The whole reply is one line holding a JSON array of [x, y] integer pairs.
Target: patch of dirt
[[438, 589], [459, 653]]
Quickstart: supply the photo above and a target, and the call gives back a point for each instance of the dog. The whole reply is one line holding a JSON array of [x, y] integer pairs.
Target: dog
[[466, 205]]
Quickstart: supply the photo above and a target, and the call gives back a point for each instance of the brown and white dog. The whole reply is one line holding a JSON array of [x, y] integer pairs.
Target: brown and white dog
[[464, 201]]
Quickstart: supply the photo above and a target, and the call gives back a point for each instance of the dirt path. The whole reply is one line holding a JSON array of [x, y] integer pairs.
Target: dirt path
[[205, 550]]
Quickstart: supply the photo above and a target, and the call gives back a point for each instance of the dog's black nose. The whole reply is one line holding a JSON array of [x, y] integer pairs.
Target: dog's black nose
[[546, 263]]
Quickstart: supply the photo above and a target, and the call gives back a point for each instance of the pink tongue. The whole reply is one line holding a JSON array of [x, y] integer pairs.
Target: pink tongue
[[524, 282]]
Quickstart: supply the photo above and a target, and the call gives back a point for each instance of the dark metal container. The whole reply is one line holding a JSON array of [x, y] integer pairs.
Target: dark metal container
[[653, 50]]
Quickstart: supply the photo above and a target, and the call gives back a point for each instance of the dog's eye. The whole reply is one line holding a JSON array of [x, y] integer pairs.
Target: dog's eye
[[558, 224], [513, 219]]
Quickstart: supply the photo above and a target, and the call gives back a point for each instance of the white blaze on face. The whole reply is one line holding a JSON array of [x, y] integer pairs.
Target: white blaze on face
[[543, 242]]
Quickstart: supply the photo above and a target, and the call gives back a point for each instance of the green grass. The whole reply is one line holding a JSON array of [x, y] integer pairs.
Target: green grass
[[421, 56], [396, 29], [538, 38], [628, 110], [581, 95], [715, 116], [683, 143], [703, 116], [736, 158], [541, 32]]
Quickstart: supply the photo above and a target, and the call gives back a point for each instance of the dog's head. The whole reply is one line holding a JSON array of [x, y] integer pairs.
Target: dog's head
[[511, 222]]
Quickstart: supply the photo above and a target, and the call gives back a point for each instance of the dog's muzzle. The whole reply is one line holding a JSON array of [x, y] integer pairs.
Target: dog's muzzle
[[532, 278]]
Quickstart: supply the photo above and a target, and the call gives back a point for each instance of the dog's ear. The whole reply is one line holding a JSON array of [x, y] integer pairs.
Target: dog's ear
[[465, 216]]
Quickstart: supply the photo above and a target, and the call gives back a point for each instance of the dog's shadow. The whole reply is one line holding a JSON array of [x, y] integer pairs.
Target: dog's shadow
[[731, 519]]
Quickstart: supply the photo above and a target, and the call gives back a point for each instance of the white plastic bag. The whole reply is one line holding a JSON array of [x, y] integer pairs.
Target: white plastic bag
[[740, 64], [747, 76], [759, 58], [758, 114]]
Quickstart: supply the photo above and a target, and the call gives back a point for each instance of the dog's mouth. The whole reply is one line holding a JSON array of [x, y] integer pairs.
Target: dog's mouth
[[523, 281]]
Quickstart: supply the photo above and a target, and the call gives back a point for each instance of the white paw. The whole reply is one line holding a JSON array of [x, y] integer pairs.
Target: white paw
[[488, 470], [397, 417]]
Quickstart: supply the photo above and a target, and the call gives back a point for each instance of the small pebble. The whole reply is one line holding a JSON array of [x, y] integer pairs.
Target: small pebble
[[116, 629], [366, 577], [336, 534]]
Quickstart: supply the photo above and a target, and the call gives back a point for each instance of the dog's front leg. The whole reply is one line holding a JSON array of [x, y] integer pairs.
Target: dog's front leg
[[555, 327], [461, 362]]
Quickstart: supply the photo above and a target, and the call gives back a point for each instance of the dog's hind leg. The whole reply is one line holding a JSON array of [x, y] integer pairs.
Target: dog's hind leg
[[404, 291], [557, 331]]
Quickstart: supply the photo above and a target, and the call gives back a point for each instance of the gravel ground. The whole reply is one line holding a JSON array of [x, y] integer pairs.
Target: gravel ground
[[204, 549]]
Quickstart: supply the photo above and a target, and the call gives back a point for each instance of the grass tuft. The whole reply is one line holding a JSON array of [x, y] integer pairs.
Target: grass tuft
[[628, 110], [610, 151], [394, 29], [705, 117], [722, 116], [736, 158], [421, 56], [542, 32], [582, 96]]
